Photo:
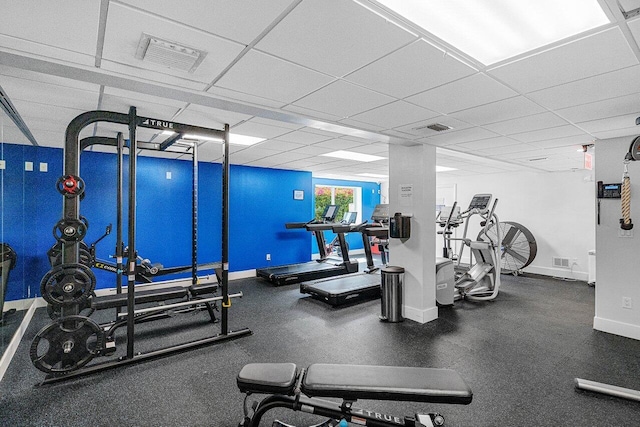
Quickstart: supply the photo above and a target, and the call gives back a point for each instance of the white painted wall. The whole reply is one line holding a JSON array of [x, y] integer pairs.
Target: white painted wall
[[415, 167], [617, 258], [558, 208]]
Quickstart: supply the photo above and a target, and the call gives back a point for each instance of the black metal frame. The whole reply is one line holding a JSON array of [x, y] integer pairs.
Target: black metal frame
[[71, 211], [333, 410]]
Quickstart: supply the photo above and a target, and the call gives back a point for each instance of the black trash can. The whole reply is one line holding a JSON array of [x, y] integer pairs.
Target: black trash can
[[391, 290]]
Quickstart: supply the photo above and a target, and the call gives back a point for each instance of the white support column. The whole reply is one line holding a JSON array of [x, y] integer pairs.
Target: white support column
[[412, 179]]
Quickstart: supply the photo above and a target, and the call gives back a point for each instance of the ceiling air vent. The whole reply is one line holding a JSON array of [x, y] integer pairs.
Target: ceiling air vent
[[438, 127], [169, 54], [538, 159]]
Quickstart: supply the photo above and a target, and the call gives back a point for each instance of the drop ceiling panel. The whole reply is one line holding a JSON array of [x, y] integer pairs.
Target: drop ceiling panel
[[33, 112], [210, 117], [339, 144], [412, 69], [259, 130], [223, 93], [313, 150], [317, 115], [564, 142], [343, 99], [362, 125], [419, 129], [146, 109], [221, 16], [628, 5], [634, 26], [73, 27], [630, 132], [28, 75], [501, 141], [278, 79], [302, 137], [279, 145], [50, 94], [592, 55], [394, 115], [551, 133], [602, 109], [526, 124], [10, 134], [506, 109], [611, 123], [471, 91], [509, 149], [460, 136], [141, 98], [605, 86], [124, 30], [333, 36]]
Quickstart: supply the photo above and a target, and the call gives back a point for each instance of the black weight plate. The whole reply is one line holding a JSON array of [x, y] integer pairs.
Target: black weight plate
[[68, 284], [66, 344]]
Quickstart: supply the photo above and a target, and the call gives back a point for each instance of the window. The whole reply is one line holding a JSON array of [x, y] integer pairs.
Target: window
[[345, 197]]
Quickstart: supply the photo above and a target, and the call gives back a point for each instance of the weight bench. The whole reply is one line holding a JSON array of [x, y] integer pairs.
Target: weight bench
[[299, 390]]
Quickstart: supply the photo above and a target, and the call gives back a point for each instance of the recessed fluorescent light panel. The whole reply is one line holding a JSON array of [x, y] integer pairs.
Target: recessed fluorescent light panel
[[233, 138], [494, 30], [352, 155], [444, 169]]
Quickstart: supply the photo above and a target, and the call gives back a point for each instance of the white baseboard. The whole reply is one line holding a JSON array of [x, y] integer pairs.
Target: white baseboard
[[17, 337], [420, 316], [616, 328], [558, 272]]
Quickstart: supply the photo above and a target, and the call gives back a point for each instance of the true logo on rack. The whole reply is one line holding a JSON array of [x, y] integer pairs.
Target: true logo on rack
[[157, 123]]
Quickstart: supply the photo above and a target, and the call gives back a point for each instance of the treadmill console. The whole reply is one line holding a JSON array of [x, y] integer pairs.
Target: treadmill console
[[349, 217], [480, 202], [456, 219], [380, 213], [330, 213]]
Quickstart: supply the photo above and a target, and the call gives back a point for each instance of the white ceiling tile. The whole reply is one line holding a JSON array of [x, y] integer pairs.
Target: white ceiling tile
[[339, 144], [302, 137], [610, 123], [602, 109], [394, 115], [46, 78], [317, 115], [258, 129], [362, 125], [460, 136], [292, 126], [220, 16], [471, 91], [373, 148], [315, 150], [592, 55], [343, 99], [509, 149], [278, 79], [634, 26], [333, 36], [140, 98], [412, 69], [563, 142], [501, 141], [419, 129], [246, 98], [526, 124], [279, 145], [606, 134], [125, 27], [629, 5], [506, 109], [121, 104], [33, 21], [51, 94], [597, 88], [214, 118], [550, 133]]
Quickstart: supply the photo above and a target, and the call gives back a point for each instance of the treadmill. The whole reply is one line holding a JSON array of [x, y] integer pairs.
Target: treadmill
[[361, 286], [313, 270]]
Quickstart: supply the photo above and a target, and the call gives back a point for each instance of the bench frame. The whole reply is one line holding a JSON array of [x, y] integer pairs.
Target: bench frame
[[297, 401]]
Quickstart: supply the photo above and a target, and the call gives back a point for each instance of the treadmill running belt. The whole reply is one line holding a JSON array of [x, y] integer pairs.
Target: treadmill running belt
[[296, 273], [340, 290]]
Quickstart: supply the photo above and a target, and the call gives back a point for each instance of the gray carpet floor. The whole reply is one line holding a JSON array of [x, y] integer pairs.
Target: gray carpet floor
[[519, 354]]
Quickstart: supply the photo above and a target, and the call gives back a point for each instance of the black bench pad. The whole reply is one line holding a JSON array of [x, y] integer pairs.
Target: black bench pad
[[268, 378], [141, 297], [205, 288], [386, 383]]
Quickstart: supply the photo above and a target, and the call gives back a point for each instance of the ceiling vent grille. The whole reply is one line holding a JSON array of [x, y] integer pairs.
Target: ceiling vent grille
[[438, 127], [538, 159], [169, 54]]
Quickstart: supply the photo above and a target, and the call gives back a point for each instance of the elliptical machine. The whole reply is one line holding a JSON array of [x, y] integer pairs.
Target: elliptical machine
[[479, 280]]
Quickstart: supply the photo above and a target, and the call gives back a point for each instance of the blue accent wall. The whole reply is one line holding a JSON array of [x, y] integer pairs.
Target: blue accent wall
[[261, 201], [370, 198]]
